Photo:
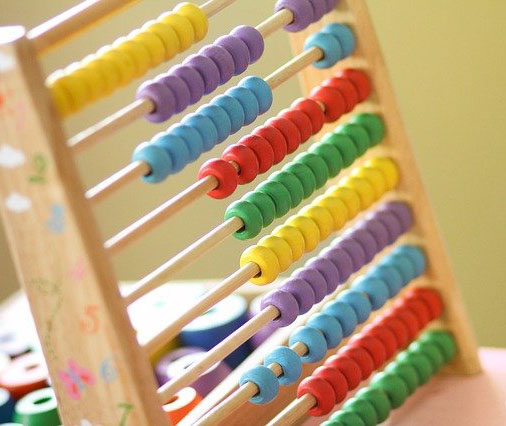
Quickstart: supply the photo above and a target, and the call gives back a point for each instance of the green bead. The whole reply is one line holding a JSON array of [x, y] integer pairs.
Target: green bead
[[364, 409], [444, 341], [393, 386], [332, 423], [290, 182], [373, 124], [406, 372], [263, 203], [358, 135], [344, 145], [317, 166], [422, 365], [37, 408], [330, 155], [347, 418], [279, 194], [379, 401], [250, 215], [305, 176], [431, 351]]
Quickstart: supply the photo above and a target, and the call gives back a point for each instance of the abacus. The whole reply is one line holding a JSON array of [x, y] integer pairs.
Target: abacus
[[65, 267]]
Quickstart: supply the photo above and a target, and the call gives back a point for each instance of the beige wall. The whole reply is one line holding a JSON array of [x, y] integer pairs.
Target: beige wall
[[448, 65]]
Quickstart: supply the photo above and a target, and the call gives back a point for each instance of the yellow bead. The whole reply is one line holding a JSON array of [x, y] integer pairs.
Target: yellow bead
[[336, 208], [281, 248], [309, 230], [375, 178], [138, 52], [348, 196], [151, 42], [123, 62], [363, 188], [322, 217], [61, 99], [386, 166], [168, 36], [107, 69], [266, 260], [92, 77], [182, 26], [75, 86], [197, 18], [293, 237]]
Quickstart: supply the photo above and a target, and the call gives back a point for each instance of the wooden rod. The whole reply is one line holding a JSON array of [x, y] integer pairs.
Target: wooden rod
[[294, 411], [275, 22], [206, 302], [73, 21]]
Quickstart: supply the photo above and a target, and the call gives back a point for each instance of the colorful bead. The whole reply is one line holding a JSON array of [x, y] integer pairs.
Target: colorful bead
[[158, 160], [344, 145], [37, 408], [302, 13], [248, 101], [364, 409], [335, 207], [237, 49], [393, 386], [276, 139], [206, 128], [262, 150], [335, 378], [293, 236], [358, 135], [302, 291], [261, 90], [341, 259], [329, 46], [289, 130], [359, 80], [407, 373], [267, 262], [312, 110], [349, 197], [322, 391], [314, 341], [329, 326], [301, 120], [420, 362], [251, 218], [315, 279], [378, 399], [191, 138], [376, 289], [354, 250], [333, 101], [343, 34], [207, 69], [330, 155], [246, 159], [196, 16], [182, 26], [253, 39], [321, 217], [304, 175], [266, 381], [373, 346], [344, 313], [348, 367], [281, 248], [265, 204], [363, 188], [444, 341], [328, 270], [373, 124], [346, 88], [317, 166], [288, 360], [361, 357], [279, 195], [176, 148], [291, 183], [309, 230], [359, 302], [285, 303], [233, 109], [346, 418], [220, 119], [387, 167]]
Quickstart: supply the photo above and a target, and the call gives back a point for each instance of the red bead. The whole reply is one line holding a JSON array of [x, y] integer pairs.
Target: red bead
[[431, 297], [322, 392], [275, 138], [373, 346], [361, 357], [385, 335], [347, 89], [246, 160], [409, 319], [348, 366], [335, 378], [224, 172], [301, 120], [359, 79], [418, 307], [314, 111], [262, 150], [289, 131], [397, 327], [332, 100], [24, 374]]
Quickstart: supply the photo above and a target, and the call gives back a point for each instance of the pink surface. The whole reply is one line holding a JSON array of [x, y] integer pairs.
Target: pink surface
[[455, 400]]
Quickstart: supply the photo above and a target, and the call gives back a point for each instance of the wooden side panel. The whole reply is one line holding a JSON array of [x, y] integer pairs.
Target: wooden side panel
[[98, 370]]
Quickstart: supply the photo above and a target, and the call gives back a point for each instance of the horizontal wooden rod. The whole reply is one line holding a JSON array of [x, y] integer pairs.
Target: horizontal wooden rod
[[212, 7]]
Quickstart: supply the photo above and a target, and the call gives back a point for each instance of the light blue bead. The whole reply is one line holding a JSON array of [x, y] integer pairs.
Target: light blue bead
[[344, 36], [220, 119], [416, 255], [159, 161], [206, 128], [261, 90], [403, 265], [266, 381], [234, 110], [375, 288], [390, 275], [248, 101], [289, 361], [344, 313], [313, 339], [330, 47], [359, 302], [191, 137], [329, 326], [176, 148]]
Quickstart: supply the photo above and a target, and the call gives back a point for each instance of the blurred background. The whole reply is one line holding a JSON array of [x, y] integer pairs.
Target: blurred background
[[447, 62]]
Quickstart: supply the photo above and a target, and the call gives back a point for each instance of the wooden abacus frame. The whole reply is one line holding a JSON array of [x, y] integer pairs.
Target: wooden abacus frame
[[66, 273]]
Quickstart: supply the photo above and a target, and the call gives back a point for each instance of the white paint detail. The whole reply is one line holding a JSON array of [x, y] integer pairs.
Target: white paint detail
[[11, 157], [6, 62], [18, 203]]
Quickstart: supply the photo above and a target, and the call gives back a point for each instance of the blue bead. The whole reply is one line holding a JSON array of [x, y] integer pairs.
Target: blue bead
[[206, 128], [248, 101], [330, 47], [176, 148], [220, 119], [313, 339], [289, 361], [234, 110], [343, 35], [159, 161], [376, 289], [329, 326], [344, 313], [191, 137], [359, 302], [266, 381], [403, 265], [416, 255], [261, 90], [390, 275]]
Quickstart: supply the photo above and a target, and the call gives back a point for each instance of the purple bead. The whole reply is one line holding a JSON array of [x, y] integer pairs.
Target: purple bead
[[302, 291], [253, 39], [340, 257], [162, 97], [285, 302], [366, 240], [328, 270], [238, 49], [331, 4], [179, 88], [193, 80], [223, 60], [315, 279], [377, 230], [355, 250], [402, 211], [319, 9], [390, 221], [207, 69], [302, 13]]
